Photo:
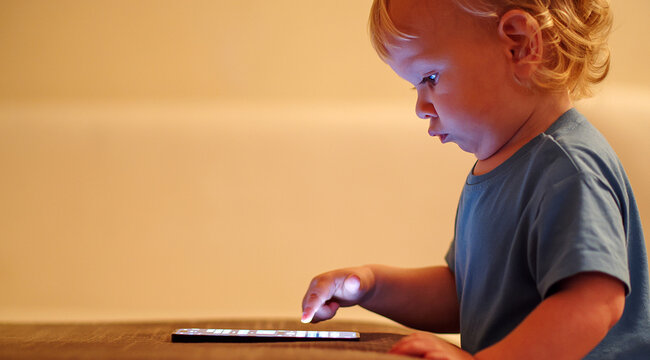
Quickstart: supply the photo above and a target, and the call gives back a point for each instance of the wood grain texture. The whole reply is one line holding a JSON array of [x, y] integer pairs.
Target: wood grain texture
[[153, 341]]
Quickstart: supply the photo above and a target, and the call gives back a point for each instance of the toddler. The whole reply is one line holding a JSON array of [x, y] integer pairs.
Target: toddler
[[548, 259]]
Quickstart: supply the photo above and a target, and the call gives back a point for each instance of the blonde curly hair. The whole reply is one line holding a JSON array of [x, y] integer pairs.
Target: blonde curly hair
[[575, 32]]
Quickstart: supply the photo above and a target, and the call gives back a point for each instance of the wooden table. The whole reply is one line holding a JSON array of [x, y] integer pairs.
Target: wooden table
[[153, 341]]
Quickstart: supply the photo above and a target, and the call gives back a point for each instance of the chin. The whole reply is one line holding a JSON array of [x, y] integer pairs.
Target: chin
[[480, 156], [468, 150]]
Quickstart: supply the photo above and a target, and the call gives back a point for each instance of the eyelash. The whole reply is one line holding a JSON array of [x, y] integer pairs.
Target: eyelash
[[431, 79]]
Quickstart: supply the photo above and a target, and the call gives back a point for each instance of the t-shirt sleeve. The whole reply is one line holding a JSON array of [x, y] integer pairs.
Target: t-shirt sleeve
[[450, 257], [578, 228]]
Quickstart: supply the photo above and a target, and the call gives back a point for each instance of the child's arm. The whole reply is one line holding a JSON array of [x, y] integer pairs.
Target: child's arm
[[567, 325], [422, 298]]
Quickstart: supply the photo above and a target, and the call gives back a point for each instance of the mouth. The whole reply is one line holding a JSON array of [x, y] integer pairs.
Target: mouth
[[441, 136], [433, 132]]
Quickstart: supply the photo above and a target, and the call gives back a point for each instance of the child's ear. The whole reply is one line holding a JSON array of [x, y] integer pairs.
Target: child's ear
[[522, 36]]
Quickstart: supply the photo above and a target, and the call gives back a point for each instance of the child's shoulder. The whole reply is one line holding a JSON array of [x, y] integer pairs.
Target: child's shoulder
[[568, 156], [574, 144]]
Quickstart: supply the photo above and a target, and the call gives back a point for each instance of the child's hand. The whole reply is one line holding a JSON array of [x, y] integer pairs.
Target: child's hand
[[328, 291], [429, 346]]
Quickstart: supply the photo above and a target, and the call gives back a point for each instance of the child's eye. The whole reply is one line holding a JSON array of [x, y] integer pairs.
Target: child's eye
[[432, 79]]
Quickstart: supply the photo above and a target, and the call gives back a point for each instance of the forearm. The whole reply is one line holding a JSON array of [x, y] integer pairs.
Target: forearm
[[566, 325], [423, 298]]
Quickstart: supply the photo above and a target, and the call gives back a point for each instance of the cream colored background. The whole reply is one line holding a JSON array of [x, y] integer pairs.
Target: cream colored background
[[199, 159]]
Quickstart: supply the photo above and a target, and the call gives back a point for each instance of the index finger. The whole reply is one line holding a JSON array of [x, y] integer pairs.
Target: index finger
[[320, 290]]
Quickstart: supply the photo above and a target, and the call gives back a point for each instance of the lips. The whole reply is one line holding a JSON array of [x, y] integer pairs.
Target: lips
[[442, 136], [433, 132]]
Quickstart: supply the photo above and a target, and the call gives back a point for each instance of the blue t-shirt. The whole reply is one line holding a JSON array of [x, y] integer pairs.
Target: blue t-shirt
[[560, 206]]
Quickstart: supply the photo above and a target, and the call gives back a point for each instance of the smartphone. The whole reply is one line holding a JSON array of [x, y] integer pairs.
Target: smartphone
[[244, 335]]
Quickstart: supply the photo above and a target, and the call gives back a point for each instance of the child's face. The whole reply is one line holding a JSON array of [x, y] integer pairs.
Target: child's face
[[461, 71]]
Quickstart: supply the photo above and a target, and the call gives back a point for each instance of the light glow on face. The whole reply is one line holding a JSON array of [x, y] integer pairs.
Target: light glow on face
[[461, 76]]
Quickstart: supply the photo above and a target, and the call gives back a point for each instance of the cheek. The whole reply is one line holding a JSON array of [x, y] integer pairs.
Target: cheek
[[466, 95], [459, 104], [462, 115], [461, 88]]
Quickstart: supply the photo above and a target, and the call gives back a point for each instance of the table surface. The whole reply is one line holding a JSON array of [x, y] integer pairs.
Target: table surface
[[152, 340]]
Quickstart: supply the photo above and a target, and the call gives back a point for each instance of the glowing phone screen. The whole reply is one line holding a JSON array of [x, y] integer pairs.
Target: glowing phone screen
[[246, 335]]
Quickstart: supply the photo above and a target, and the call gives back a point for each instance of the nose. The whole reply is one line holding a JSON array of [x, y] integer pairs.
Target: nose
[[424, 108]]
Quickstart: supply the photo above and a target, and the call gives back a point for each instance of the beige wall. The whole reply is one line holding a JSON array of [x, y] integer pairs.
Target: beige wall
[[164, 159]]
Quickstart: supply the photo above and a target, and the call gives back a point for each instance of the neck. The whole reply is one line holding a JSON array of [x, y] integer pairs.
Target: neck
[[542, 115]]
